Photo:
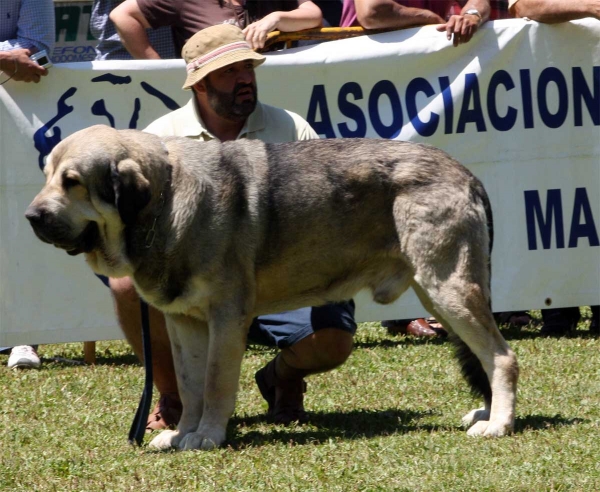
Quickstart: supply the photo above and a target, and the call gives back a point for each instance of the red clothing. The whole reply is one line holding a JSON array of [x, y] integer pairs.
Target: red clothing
[[443, 8]]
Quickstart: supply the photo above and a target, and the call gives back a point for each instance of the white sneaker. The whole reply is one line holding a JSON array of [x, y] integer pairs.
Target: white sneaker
[[23, 356]]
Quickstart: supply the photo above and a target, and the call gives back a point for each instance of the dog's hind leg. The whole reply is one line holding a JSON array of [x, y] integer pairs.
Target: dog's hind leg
[[189, 344], [487, 362]]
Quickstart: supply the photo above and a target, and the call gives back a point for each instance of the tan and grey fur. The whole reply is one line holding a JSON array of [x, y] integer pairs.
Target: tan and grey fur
[[244, 228]]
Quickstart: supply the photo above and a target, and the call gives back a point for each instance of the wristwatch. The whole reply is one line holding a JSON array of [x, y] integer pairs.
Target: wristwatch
[[474, 12]]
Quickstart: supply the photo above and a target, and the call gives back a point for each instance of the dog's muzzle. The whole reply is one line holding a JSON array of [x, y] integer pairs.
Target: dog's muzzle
[[52, 231]]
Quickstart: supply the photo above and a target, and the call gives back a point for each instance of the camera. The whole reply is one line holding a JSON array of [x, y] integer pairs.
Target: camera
[[41, 58]]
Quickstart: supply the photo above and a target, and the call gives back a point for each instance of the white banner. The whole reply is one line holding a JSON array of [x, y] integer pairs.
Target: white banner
[[519, 105]]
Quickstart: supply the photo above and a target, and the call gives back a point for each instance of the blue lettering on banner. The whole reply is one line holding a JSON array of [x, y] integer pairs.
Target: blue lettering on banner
[[318, 105], [549, 94], [448, 104], [352, 111], [581, 91], [387, 88], [500, 123], [587, 228], [548, 75], [526, 98], [424, 128], [468, 114], [553, 219]]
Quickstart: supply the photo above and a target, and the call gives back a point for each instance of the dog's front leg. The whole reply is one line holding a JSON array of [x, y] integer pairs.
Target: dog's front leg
[[228, 328], [189, 344]]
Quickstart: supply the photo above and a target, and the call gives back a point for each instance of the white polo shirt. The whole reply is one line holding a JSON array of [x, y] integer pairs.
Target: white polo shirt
[[266, 123]]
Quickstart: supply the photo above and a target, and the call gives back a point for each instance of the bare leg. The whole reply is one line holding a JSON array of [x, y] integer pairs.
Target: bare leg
[[127, 307], [167, 411], [322, 351]]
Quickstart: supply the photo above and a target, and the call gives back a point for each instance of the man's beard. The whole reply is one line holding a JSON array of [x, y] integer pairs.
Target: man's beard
[[224, 104]]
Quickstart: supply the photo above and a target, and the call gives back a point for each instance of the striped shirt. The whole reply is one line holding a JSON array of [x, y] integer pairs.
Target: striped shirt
[[27, 24]]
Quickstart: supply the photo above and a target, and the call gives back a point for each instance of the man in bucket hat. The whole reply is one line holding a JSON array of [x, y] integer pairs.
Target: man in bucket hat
[[220, 66]]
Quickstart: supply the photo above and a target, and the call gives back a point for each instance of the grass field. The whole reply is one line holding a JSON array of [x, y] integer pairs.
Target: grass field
[[389, 419]]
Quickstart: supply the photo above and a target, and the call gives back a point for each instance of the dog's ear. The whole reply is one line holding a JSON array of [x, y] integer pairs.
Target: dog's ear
[[132, 189]]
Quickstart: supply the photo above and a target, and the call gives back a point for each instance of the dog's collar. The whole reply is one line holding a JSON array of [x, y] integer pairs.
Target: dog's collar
[[151, 234]]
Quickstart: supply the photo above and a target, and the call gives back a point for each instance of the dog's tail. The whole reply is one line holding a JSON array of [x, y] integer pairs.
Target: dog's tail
[[480, 195], [471, 369]]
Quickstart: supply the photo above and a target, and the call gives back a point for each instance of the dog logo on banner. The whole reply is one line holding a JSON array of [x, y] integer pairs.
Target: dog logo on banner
[[50, 134]]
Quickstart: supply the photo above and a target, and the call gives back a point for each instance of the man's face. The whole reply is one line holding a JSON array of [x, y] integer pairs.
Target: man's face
[[231, 90]]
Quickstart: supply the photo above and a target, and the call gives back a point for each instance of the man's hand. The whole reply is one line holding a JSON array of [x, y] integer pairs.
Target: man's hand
[[460, 28], [256, 33], [17, 65]]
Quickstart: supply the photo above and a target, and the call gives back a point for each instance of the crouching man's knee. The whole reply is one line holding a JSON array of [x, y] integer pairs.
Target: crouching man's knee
[[123, 290], [322, 351], [334, 347]]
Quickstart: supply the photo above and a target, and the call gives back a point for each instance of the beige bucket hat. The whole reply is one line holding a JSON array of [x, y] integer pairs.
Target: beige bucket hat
[[213, 48]]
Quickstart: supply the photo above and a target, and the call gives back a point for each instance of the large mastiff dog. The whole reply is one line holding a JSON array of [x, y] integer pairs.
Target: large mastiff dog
[[214, 234]]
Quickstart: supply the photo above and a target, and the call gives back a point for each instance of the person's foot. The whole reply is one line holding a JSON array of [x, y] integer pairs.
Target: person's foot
[[23, 357], [418, 328], [558, 322], [519, 318], [166, 413], [595, 323], [285, 397], [516, 318]]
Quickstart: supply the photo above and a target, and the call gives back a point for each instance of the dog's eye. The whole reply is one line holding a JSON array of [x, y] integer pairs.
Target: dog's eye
[[70, 183]]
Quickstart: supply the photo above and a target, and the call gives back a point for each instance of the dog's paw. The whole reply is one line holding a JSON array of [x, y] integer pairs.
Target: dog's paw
[[205, 439], [485, 428], [167, 439], [475, 416]]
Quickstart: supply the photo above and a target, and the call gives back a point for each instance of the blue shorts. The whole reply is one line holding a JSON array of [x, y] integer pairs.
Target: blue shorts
[[286, 328]]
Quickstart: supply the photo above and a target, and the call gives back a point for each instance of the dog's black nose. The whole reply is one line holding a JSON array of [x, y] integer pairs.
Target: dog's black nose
[[35, 215]]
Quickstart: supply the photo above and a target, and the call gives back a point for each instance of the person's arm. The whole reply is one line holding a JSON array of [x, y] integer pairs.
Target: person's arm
[[307, 15], [553, 11], [35, 27], [131, 25], [15, 64], [377, 14], [460, 28]]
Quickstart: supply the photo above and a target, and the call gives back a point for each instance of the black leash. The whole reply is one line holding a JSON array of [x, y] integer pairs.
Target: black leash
[[138, 427]]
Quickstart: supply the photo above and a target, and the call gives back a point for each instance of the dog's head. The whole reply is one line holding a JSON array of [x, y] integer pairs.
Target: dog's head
[[97, 182]]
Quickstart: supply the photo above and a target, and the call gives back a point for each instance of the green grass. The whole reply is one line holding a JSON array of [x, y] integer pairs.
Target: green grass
[[389, 419]]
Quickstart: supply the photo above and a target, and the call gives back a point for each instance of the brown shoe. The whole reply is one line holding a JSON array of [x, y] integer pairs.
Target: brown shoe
[[166, 413], [420, 328], [417, 328], [285, 397], [436, 326]]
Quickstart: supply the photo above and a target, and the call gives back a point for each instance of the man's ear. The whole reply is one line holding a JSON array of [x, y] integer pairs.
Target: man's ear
[[200, 87], [132, 189]]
